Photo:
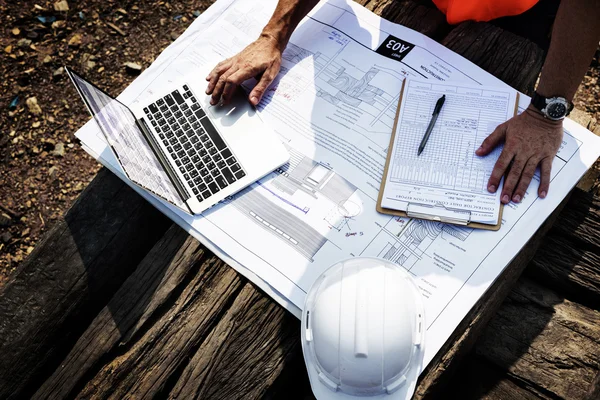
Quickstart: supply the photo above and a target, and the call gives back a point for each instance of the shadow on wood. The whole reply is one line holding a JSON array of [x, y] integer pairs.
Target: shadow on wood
[[69, 277]]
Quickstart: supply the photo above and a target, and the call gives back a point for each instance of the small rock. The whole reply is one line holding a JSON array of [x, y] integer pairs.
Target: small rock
[[58, 72], [59, 150], [5, 220], [5, 237], [8, 49], [24, 43], [75, 40], [58, 24], [133, 68], [174, 35], [33, 106], [16, 31], [36, 124], [29, 250], [52, 171], [47, 59], [25, 232], [196, 13], [61, 6]]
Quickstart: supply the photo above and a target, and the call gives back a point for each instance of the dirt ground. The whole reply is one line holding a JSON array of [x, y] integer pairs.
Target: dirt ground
[[42, 167]]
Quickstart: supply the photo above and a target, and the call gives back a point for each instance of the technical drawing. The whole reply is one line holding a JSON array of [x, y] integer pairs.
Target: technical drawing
[[406, 240], [352, 91], [313, 178], [295, 54], [282, 224], [340, 217]]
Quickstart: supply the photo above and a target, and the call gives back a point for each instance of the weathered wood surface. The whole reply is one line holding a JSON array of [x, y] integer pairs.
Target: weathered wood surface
[[569, 260], [69, 277], [170, 320], [543, 344], [183, 325]]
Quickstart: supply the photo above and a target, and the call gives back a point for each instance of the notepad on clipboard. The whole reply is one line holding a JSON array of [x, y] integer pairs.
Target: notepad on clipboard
[[447, 182]]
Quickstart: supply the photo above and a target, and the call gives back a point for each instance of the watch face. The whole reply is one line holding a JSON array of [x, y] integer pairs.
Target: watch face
[[556, 110]]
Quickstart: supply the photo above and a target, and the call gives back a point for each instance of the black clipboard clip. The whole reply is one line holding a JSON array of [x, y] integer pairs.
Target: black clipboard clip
[[438, 212]]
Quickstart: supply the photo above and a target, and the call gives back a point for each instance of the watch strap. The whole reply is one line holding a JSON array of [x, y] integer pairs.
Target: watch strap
[[539, 102]]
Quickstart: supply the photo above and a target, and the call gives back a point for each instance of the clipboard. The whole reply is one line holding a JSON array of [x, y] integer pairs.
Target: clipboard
[[438, 213]]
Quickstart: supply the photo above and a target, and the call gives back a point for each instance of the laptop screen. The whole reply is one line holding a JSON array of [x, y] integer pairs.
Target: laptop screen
[[118, 124]]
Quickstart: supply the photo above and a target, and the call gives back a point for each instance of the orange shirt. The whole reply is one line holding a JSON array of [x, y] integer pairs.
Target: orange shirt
[[481, 10]]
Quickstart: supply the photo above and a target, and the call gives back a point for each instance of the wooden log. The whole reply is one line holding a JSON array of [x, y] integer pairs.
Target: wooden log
[[244, 354], [477, 378], [509, 57], [147, 292], [183, 325], [545, 341], [427, 20], [69, 277], [569, 259]]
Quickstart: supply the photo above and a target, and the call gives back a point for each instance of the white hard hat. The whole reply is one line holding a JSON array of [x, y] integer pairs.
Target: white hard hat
[[363, 331]]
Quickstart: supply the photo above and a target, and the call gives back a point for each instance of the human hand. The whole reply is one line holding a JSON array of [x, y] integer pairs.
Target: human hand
[[261, 59], [529, 140]]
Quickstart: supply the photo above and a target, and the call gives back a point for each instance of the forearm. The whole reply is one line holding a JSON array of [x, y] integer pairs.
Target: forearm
[[285, 19], [575, 37]]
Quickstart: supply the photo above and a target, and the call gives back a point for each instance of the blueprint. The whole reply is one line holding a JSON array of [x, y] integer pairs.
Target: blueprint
[[333, 106]]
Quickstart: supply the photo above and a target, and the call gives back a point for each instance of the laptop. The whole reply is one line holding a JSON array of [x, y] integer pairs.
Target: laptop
[[182, 149]]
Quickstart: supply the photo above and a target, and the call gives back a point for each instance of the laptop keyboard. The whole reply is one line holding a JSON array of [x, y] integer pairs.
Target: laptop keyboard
[[197, 149]]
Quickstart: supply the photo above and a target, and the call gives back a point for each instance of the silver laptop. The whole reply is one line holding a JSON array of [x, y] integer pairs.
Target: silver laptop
[[181, 148]]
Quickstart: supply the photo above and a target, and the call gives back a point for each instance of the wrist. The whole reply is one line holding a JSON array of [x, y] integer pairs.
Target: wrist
[[276, 37], [532, 112]]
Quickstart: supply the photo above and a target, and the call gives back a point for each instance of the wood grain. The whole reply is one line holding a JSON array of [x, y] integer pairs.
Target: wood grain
[[510, 58], [69, 277], [569, 259], [544, 339]]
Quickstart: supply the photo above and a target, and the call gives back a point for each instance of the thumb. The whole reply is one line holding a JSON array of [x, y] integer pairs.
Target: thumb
[[492, 141]]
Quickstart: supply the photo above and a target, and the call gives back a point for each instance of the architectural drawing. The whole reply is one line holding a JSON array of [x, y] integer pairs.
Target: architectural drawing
[[404, 240], [278, 222]]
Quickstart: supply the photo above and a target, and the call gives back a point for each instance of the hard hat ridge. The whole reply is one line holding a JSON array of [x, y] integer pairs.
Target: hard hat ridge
[[363, 331]]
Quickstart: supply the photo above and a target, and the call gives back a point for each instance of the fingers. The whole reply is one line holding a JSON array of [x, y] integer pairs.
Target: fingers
[[499, 169], [525, 180], [215, 74], [218, 89], [265, 80], [545, 172], [512, 179], [492, 141], [233, 81]]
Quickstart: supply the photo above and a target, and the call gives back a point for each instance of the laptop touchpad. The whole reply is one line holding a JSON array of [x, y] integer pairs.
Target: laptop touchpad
[[232, 112]]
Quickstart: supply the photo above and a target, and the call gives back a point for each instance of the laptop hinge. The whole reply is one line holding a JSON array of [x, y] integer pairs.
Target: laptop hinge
[[183, 193]]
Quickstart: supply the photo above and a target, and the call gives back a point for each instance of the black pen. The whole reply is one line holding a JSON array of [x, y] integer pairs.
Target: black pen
[[434, 116]]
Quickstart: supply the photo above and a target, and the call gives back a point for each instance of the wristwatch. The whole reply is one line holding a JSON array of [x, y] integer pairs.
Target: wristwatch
[[554, 108]]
